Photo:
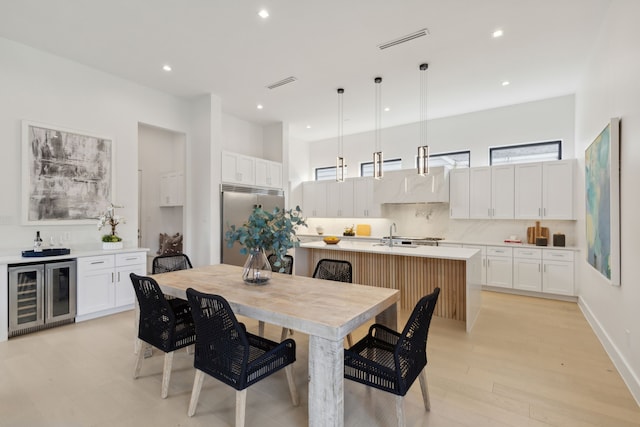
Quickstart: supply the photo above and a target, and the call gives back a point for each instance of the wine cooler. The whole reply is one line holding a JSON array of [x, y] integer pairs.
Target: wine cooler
[[41, 296]]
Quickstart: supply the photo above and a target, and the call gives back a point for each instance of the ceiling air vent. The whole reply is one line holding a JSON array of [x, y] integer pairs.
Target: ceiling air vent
[[282, 82], [403, 39]]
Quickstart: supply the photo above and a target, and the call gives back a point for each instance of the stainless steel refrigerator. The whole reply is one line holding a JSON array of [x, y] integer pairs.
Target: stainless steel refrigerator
[[237, 204]]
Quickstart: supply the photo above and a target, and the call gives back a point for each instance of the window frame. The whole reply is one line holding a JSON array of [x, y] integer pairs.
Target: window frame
[[385, 161], [448, 153], [557, 142]]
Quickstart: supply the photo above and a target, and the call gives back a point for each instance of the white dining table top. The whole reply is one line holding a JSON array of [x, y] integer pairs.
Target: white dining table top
[[317, 307]]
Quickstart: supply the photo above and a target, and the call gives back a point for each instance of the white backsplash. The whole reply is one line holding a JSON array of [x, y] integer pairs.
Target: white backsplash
[[432, 220]]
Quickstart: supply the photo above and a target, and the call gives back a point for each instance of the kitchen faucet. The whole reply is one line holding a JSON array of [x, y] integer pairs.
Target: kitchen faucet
[[391, 228]]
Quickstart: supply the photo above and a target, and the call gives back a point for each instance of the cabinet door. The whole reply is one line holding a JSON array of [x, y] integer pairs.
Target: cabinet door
[[558, 278], [95, 291], [275, 175], [314, 198], [480, 193], [363, 204], [172, 189], [124, 293], [557, 189], [339, 197], [528, 191], [527, 274], [500, 272], [268, 173], [237, 168], [459, 193], [502, 192]]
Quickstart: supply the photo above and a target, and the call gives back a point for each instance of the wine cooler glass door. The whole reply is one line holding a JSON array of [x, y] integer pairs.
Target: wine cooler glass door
[[25, 297], [61, 291]]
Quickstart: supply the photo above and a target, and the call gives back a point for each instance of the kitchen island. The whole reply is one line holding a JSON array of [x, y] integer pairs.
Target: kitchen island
[[415, 271]]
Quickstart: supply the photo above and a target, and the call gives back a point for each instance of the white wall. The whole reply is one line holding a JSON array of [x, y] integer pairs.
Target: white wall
[[240, 136], [611, 89], [44, 88]]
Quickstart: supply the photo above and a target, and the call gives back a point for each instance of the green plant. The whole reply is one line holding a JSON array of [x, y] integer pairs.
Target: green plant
[[272, 231]]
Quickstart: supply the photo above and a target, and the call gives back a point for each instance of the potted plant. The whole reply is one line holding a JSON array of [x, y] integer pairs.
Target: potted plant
[[111, 241], [273, 231]]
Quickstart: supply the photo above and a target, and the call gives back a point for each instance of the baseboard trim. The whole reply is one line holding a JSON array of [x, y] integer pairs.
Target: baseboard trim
[[628, 376]]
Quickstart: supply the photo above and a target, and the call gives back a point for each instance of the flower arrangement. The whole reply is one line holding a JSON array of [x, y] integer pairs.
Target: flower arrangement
[[109, 217], [272, 231]]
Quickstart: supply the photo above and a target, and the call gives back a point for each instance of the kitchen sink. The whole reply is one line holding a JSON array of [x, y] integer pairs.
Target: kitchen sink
[[396, 245]]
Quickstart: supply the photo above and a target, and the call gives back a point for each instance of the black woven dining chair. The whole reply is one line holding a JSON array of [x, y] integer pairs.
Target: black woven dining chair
[[227, 352], [336, 270], [164, 324], [286, 265], [166, 263], [391, 361]]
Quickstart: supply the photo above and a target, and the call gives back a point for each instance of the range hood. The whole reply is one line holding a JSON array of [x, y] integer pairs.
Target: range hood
[[406, 186]]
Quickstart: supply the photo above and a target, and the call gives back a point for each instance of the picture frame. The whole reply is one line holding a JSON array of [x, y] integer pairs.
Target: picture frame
[[67, 175], [602, 198]]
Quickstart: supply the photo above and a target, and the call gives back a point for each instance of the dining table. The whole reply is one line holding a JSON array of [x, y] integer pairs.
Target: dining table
[[324, 310]]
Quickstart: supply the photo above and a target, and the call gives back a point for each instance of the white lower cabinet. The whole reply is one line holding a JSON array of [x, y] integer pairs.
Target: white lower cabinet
[[558, 272], [104, 286], [527, 269], [500, 266]]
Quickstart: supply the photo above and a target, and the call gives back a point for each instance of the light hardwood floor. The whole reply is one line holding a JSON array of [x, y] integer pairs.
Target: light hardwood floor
[[528, 362]]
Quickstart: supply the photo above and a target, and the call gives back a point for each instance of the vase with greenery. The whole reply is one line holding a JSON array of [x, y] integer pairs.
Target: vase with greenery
[[274, 232]]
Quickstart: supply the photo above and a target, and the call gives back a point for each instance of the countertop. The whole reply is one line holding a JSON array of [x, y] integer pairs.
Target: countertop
[[419, 251], [7, 258]]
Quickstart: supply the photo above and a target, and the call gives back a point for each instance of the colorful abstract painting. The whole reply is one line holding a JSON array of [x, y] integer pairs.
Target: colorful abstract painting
[[67, 175], [602, 203]]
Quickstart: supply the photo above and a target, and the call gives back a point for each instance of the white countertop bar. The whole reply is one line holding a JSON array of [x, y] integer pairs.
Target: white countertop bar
[[419, 251]]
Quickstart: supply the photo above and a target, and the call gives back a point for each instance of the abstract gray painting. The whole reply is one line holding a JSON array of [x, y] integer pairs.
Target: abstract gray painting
[[69, 175]]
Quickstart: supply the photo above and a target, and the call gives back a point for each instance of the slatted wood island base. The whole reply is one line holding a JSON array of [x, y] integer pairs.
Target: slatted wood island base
[[415, 272]]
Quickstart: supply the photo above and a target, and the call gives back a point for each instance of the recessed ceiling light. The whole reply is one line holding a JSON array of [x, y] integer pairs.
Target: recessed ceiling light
[[498, 33], [260, 107], [166, 67], [263, 14], [308, 126], [506, 83], [387, 109]]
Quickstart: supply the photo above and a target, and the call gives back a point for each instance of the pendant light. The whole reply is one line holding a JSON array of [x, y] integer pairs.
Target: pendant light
[[340, 166], [377, 154], [423, 148]]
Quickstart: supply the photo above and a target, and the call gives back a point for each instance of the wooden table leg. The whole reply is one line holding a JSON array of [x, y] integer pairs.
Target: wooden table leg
[[326, 382]]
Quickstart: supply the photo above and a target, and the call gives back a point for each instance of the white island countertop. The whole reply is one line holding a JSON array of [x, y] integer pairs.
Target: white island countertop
[[401, 250]]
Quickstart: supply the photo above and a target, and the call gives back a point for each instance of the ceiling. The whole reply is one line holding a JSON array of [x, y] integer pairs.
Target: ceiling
[[224, 47]]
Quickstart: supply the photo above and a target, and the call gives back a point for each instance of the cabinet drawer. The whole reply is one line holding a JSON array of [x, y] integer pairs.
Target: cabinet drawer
[[557, 255], [96, 262], [131, 258], [499, 251], [528, 253]]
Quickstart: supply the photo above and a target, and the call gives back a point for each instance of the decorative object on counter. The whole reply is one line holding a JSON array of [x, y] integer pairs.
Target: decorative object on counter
[[348, 231], [37, 243], [111, 241], [363, 230], [170, 245], [537, 231], [423, 148], [273, 231], [46, 252], [331, 240], [542, 241], [558, 239], [320, 230], [602, 188]]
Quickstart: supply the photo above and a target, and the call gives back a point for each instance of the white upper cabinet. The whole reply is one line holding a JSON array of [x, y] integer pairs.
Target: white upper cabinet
[[480, 193], [544, 190], [238, 168], [363, 204], [557, 189], [268, 173], [172, 189], [314, 199], [339, 199], [459, 193], [502, 192]]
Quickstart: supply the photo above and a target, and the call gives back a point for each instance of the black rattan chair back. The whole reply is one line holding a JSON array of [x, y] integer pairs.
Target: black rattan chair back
[[332, 269], [286, 266], [226, 351], [159, 324], [391, 361], [166, 263]]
